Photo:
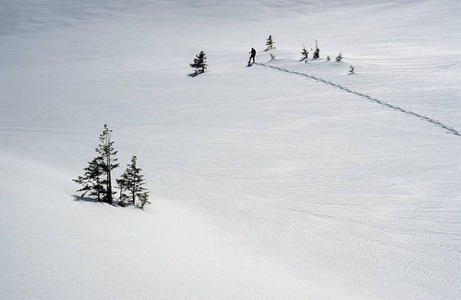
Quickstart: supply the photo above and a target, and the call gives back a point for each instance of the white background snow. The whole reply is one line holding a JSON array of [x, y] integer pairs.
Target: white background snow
[[265, 183]]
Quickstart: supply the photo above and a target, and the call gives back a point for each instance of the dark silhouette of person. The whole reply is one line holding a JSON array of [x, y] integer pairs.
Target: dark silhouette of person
[[252, 55]]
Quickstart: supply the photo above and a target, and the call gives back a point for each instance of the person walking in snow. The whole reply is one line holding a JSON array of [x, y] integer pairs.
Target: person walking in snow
[[252, 55]]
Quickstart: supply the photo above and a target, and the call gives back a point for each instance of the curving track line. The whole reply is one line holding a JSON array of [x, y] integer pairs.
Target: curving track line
[[449, 129]]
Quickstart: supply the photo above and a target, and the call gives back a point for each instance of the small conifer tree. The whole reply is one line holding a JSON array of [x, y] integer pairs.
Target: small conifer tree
[[328, 58], [270, 43], [339, 57], [351, 69], [304, 53], [131, 183], [143, 199], [199, 64], [272, 56], [92, 180]]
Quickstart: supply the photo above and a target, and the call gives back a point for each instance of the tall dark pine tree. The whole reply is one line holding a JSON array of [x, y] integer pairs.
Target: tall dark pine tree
[[199, 63], [108, 162], [131, 183], [269, 43], [92, 179]]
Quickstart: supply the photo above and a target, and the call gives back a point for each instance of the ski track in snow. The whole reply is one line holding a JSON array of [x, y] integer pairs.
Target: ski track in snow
[[449, 129]]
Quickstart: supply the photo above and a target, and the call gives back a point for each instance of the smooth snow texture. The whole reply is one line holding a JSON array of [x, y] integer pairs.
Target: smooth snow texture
[[283, 180]]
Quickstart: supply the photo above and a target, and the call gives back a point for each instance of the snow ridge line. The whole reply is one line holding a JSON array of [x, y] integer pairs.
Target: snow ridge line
[[450, 130]]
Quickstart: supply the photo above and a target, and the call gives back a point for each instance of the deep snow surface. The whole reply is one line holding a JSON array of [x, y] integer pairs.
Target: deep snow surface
[[283, 180]]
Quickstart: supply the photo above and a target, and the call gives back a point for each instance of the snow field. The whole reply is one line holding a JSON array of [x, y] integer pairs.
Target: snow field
[[264, 184]]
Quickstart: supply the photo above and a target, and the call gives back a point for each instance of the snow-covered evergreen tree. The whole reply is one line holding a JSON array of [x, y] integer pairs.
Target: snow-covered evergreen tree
[[131, 185], [270, 43], [199, 64]]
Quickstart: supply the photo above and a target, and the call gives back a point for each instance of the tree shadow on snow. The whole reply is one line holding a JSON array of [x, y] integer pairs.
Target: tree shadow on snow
[[85, 199], [195, 74]]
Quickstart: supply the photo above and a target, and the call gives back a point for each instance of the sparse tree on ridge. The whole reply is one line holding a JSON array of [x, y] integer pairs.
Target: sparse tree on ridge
[[131, 185], [351, 69], [304, 53], [316, 51], [270, 43], [328, 58], [339, 57], [199, 64]]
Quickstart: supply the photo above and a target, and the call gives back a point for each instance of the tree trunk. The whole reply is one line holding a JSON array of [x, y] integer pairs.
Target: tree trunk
[[109, 187], [134, 193]]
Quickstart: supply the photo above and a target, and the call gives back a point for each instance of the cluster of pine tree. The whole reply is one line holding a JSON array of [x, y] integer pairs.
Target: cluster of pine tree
[[305, 53], [96, 181], [316, 55]]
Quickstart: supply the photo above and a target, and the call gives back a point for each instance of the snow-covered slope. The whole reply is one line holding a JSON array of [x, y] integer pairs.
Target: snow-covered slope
[[284, 180]]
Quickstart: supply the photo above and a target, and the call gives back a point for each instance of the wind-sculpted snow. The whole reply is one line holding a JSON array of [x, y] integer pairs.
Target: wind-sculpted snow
[[449, 129]]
